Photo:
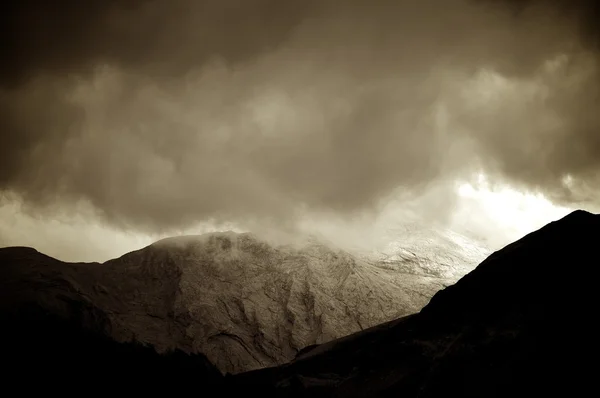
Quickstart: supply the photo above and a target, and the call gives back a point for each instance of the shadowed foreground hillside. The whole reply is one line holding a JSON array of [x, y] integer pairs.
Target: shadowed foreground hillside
[[43, 353]]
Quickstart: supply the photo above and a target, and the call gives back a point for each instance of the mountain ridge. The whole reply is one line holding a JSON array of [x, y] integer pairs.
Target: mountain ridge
[[241, 301]]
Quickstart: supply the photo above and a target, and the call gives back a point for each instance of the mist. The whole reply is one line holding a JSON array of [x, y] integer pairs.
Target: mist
[[160, 116]]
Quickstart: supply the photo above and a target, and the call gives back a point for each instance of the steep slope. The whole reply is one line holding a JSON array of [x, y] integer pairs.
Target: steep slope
[[243, 303], [521, 324]]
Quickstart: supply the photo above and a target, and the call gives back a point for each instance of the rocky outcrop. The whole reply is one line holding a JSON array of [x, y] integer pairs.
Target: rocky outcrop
[[243, 303], [521, 324]]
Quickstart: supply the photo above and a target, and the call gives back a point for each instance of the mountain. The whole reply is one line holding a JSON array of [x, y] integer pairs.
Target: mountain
[[243, 303], [523, 323]]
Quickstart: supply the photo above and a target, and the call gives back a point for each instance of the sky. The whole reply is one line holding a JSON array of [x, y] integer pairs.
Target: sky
[[125, 121]]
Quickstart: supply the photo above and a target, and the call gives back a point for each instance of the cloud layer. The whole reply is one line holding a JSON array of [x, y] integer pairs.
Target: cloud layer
[[162, 114]]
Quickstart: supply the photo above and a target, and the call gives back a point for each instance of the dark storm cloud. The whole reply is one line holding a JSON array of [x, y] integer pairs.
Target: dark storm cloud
[[162, 113], [585, 12], [168, 37]]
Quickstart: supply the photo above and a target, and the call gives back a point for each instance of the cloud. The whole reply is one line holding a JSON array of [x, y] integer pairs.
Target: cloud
[[151, 36], [163, 114]]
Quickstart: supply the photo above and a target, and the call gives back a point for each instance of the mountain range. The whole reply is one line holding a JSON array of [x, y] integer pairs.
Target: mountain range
[[244, 303], [522, 323]]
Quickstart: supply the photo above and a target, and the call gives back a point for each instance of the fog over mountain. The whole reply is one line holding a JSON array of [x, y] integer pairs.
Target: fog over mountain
[[156, 116]]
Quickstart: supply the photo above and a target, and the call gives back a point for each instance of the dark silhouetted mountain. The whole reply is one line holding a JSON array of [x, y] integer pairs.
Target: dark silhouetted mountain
[[243, 303], [48, 354], [521, 324]]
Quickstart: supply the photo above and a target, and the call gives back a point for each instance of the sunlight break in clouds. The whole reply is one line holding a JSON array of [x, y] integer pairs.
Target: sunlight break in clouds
[[512, 214]]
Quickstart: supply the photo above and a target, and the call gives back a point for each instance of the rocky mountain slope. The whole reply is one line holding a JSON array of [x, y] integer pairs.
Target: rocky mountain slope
[[243, 303], [521, 324]]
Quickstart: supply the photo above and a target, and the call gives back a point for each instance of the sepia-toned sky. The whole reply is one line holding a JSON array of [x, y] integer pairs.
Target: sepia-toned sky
[[125, 120]]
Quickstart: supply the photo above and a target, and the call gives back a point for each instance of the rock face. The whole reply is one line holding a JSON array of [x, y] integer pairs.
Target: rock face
[[521, 324], [241, 302]]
